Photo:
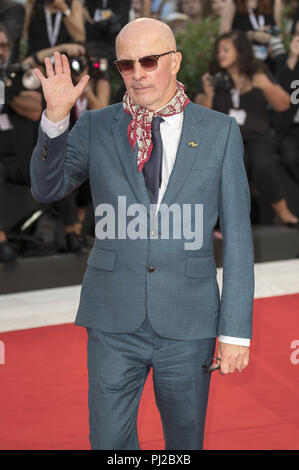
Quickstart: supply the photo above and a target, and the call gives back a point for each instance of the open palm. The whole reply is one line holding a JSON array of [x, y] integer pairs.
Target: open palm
[[59, 92]]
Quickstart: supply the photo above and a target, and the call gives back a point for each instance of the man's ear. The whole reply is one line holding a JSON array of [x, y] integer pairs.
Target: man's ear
[[176, 63]]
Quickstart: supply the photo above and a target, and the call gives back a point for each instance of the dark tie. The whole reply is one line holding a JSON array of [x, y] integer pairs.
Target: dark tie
[[152, 169]]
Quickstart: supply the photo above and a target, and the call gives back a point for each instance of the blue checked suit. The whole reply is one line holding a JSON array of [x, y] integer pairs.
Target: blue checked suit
[[179, 300]]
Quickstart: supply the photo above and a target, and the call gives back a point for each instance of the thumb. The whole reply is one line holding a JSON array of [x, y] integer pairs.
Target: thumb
[[81, 84]]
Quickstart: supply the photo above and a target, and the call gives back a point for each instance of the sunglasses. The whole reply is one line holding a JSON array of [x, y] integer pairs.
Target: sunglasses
[[211, 364], [149, 63]]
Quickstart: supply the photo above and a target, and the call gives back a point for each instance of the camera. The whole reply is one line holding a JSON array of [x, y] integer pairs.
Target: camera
[[273, 30], [17, 77], [97, 66], [220, 80], [77, 65], [105, 30]]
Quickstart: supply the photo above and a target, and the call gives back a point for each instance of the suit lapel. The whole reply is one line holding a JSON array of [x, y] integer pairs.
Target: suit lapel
[[188, 150], [128, 158], [186, 154]]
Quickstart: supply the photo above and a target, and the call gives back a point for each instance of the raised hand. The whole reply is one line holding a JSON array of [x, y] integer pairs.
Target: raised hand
[[59, 92]]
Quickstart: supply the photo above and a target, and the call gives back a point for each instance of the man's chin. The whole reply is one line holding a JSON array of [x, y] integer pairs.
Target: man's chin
[[144, 101]]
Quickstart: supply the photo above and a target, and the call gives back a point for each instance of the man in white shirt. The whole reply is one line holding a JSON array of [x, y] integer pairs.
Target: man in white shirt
[[148, 301]]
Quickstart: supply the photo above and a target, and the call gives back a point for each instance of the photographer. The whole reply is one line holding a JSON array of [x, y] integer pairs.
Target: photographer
[[12, 16], [239, 85], [49, 23], [104, 20], [287, 123], [82, 61], [18, 130], [260, 20]]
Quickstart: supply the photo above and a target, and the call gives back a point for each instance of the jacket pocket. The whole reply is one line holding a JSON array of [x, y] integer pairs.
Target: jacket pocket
[[201, 266], [101, 259]]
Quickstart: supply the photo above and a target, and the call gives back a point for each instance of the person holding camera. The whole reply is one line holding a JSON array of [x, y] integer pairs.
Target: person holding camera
[[19, 112], [52, 22], [240, 85], [103, 21], [12, 16], [260, 20], [287, 123]]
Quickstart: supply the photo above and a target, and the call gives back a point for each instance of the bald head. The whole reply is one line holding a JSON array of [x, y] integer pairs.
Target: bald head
[[147, 30], [144, 37]]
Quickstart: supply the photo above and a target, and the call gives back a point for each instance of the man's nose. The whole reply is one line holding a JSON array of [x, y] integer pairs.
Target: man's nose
[[138, 71]]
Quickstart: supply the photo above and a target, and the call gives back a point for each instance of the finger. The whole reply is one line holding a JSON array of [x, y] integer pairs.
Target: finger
[[65, 65], [82, 84], [58, 63], [49, 68], [39, 75], [224, 369]]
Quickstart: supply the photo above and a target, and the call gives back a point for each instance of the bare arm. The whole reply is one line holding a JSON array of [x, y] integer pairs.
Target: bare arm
[[146, 8], [227, 18], [28, 11], [278, 6], [73, 50], [74, 23], [276, 96], [28, 104], [206, 98], [101, 98]]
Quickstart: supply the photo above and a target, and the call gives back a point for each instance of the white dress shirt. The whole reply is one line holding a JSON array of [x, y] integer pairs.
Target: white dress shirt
[[170, 129]]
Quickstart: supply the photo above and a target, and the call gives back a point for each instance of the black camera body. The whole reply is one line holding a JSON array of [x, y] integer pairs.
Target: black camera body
[[273, 30], [220, 80], [16, 78], [97, 67]]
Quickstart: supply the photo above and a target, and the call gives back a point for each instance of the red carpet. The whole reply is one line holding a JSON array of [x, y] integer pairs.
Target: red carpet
[[44, 389]]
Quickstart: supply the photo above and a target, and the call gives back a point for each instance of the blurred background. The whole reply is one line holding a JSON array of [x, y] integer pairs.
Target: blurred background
[[240, 57]]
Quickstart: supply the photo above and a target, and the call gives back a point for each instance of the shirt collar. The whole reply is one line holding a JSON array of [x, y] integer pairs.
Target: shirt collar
[[175, 120]]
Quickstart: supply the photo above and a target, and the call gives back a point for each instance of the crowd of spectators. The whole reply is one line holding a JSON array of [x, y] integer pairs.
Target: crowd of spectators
[[253, 75]]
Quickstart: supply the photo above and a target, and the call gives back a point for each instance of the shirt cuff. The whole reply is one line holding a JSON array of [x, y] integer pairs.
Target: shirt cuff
[[54, 129], [233, 340]]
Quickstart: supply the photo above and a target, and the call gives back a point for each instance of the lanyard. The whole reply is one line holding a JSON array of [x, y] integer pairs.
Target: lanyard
[[53, 31], [258, 22], [235, 95]]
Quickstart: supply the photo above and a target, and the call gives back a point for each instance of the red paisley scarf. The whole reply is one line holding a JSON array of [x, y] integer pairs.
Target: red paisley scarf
[[139, 129]]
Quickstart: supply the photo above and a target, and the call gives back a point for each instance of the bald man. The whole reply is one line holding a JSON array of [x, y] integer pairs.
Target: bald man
[[149, 296]]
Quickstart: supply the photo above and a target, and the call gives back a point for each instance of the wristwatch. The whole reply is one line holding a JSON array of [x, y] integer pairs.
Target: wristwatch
[[67, 12]]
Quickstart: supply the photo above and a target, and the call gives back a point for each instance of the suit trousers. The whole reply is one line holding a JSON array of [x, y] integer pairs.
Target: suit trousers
[[118, 365]]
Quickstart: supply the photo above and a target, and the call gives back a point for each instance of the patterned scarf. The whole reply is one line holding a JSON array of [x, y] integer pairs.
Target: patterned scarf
[[139, 129]]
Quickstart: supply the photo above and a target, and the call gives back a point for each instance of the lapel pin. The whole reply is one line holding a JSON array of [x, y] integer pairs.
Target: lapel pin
[[193, 144]]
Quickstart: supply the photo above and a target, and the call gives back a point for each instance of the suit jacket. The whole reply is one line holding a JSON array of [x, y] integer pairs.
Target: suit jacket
[[181, 295]]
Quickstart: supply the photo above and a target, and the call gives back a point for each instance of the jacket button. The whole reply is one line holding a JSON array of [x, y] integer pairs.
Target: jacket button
[[44, 155], [151, 269]]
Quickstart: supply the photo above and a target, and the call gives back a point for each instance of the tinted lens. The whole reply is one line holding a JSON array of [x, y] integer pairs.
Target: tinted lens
[[125, 66], [149, 63]]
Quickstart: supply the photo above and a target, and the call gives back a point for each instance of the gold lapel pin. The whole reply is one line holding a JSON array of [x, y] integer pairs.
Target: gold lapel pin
[[193, 144]]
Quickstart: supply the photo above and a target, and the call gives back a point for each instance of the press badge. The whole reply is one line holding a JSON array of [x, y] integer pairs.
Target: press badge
[[260, 52], [5, 124], [240, 115]]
